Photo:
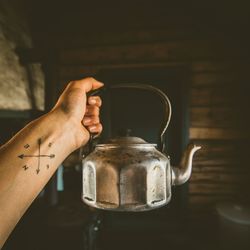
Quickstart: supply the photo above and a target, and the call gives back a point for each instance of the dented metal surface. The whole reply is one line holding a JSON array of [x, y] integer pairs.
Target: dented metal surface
[[129, 174], [126, 177]]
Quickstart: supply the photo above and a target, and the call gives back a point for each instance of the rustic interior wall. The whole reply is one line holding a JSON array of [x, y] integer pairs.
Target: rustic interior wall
[[220, 122], [21, 86], [218, 102]]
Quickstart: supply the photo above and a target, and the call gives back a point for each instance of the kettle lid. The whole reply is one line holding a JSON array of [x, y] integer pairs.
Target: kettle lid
[[126, 141]]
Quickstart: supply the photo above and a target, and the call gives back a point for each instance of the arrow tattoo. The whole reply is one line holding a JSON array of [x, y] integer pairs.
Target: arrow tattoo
[[38, 156], [23, 155]]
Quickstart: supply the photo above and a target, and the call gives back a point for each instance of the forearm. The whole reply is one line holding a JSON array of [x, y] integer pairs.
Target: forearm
[[31, 157], [28, 161]]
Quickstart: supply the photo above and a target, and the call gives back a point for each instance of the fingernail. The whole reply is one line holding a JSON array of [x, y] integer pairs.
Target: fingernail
[[92, 101], [86, 121], [92, 128]]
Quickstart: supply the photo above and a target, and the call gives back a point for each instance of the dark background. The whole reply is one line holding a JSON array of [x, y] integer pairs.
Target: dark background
[[198, 53]]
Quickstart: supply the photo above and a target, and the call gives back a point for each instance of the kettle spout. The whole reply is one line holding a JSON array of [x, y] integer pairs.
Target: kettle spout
[[182, 173]]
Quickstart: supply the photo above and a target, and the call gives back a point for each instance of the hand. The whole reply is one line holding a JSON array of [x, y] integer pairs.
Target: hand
[[56, 134], [82, 114]]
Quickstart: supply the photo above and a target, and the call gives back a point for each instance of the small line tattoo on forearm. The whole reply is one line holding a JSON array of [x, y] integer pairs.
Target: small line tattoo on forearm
[[25, 167], [40, 157]]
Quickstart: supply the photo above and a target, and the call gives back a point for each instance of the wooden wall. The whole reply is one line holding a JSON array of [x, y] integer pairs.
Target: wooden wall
[[219, 101], [220, 122]]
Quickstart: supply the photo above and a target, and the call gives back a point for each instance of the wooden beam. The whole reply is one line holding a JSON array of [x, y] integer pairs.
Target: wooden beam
[[213, 188], [218, 134], [165, 51], [221, 117]]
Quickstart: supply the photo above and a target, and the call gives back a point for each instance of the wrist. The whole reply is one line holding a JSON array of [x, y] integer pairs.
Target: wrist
[[70, 130]]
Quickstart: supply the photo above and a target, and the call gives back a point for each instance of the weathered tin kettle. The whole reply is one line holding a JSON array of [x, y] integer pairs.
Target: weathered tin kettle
[[129, 174]]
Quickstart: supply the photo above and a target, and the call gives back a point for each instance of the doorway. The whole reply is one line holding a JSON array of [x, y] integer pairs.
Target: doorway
[[142, 112]]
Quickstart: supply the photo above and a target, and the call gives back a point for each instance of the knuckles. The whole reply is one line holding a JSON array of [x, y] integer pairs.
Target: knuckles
[[97, 99], [93, 111], [89, 79], [98, 128], [91, 120], [72, 84], [95, 120]]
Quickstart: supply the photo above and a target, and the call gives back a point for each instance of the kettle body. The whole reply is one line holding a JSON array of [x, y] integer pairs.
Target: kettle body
[[130, 174], [126, 174]]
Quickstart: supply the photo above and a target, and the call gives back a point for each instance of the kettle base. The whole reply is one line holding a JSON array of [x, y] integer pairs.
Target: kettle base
[[132, 207]]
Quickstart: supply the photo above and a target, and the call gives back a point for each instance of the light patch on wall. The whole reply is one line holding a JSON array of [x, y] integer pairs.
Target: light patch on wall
[[16, 79]]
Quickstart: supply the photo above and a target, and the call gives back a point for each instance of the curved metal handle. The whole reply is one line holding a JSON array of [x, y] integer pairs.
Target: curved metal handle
[[165, 99]]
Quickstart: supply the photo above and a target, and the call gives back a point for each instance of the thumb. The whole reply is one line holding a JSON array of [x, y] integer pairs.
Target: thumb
[[90, 84]]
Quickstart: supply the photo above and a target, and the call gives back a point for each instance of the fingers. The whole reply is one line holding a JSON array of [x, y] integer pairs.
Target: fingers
[[91, 84], [95, 129], [91, 118], [95, 100], [92, 111], [92, 123]]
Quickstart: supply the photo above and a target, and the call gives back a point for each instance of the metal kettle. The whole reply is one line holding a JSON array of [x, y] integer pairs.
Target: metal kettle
[[130, 174]]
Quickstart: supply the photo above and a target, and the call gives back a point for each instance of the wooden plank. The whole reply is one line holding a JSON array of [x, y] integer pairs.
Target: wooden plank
[[76, 71], [165, 51], [218, 134], [207, 202], [221, 95], [220, 67], [218, 177], [215, 153], [213, 188], [197, 79], [221, 117], [221, 149], [230, 162], [217, 170], [219, 78], [114, 54], [220, 161], [94, 38]]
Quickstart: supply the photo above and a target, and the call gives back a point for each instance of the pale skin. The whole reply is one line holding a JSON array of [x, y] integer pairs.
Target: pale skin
[[31, 157]]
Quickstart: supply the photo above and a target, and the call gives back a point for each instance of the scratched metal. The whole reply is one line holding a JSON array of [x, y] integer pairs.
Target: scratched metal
[[131, 176]]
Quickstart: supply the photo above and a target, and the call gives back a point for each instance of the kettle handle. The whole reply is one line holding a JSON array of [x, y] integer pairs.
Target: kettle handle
[[164, 97]]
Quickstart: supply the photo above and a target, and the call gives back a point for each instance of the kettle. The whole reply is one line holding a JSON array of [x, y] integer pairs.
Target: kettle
[[129, 174]]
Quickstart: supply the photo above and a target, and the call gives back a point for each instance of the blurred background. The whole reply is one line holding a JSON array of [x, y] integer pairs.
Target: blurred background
[[197, 52]]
